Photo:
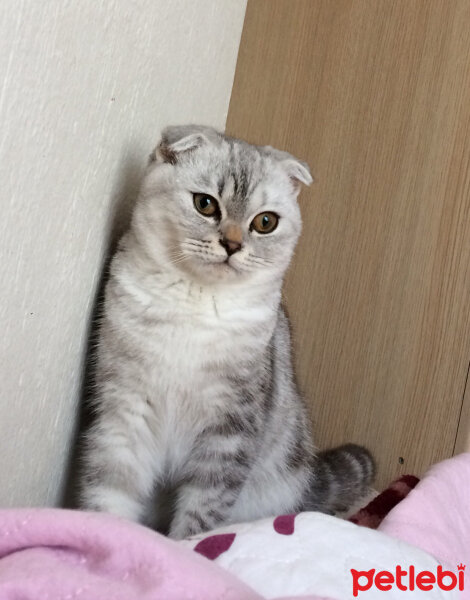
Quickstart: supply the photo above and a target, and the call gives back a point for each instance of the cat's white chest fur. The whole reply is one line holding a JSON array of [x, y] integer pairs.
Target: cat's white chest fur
[[187, 336]]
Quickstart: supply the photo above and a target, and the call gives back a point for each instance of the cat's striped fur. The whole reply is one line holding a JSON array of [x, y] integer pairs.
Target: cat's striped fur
[[195, 384]]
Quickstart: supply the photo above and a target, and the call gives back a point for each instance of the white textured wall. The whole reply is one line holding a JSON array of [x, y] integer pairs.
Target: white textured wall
[[86, 87]]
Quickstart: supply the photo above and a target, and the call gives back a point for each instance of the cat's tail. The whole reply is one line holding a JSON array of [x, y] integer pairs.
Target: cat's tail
[[342, 477]]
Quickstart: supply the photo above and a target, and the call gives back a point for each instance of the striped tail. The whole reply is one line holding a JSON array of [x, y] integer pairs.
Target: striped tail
[[342, 477]]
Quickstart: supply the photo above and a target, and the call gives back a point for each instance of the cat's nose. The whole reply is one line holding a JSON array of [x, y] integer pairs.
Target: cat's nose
[[231, 246], [231, 238]]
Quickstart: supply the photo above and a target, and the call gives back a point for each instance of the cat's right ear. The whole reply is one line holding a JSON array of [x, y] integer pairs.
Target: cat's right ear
[[178, 140]]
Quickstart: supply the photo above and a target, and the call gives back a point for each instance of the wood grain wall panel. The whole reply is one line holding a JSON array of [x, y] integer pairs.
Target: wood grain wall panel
[[375, 95], [462, 443]]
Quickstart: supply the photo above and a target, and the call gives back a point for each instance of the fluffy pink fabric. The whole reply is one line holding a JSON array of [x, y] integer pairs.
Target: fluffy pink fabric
[[52, 554], [435, 516], [65, 555]]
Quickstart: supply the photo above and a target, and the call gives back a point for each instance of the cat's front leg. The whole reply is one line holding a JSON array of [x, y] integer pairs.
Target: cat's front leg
[[120, 466], [215, 476]]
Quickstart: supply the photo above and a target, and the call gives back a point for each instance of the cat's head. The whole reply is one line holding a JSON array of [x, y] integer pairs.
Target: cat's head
[[220, 209]]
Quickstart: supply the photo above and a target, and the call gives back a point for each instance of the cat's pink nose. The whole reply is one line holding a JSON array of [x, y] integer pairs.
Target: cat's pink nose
[[231, 238], [231, 246]]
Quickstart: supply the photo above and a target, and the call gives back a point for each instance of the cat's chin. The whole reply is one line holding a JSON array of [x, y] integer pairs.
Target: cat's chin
[[218, 272]]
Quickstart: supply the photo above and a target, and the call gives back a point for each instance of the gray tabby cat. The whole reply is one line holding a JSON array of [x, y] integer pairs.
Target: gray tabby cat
[[196, 389]]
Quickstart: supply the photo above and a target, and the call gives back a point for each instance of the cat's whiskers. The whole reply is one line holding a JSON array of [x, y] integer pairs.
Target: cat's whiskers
[[205, 254], [261, 258], [258, 262], [197, 243], [176, 258]]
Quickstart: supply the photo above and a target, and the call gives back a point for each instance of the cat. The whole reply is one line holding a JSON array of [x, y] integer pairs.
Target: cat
[[195, 384]]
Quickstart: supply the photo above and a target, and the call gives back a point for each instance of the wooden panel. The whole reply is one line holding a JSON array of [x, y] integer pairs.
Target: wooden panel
[[462, 443], [375, 95]]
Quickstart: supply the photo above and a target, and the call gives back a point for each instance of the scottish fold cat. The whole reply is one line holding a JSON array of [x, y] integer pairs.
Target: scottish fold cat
[[195, 385]]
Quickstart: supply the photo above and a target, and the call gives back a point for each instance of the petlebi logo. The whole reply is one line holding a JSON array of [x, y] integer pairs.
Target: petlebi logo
[[407, 579]]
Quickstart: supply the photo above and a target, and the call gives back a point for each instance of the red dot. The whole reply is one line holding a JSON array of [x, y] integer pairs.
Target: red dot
[[215, 545], [284, 524]]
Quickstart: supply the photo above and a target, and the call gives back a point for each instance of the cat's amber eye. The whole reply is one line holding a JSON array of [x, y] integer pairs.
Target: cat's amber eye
[[265, 222], [206, 205]]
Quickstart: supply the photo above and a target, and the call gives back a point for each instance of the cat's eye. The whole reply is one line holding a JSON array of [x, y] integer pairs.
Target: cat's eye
[[265, 222], [206, 205]]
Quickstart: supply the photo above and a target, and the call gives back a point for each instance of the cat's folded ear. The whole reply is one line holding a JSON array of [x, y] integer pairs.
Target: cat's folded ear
[[179, 139], [298, 170]]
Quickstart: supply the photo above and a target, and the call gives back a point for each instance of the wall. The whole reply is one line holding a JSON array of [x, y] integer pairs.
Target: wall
[[375, 95], [86, 88]]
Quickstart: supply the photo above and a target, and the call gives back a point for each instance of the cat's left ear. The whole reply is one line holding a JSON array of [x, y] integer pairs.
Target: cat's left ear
[[298, 170], [180, 139]]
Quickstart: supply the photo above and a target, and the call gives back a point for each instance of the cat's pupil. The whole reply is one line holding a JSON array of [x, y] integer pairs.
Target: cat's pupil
[[265, 221], [204, 202]]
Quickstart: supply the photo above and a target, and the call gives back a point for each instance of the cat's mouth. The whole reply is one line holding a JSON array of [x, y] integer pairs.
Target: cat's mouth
[[219, 266], [230, 263], [226, 265]]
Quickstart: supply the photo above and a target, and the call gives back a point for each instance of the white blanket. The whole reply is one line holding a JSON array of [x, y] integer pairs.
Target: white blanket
[[313, 554]]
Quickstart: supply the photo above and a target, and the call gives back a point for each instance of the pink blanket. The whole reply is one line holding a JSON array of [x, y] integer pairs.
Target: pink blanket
[[52, 554], [435, 516], [65, 555]]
